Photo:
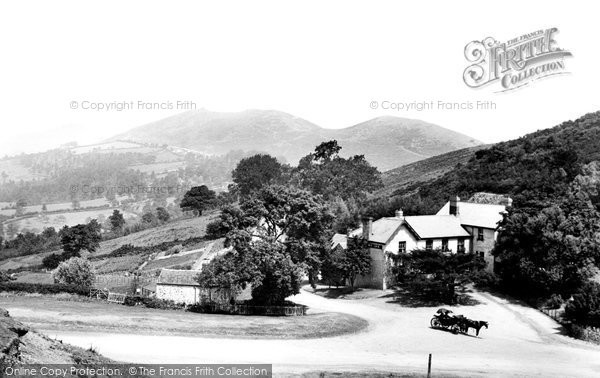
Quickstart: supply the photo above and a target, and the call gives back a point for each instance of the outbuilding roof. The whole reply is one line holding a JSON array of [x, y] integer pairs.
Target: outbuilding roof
[[178, 277]]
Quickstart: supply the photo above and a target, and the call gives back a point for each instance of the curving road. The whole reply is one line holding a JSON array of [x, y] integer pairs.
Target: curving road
[[520, 342]]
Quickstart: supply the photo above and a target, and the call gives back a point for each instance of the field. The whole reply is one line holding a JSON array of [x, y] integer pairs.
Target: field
[[110, 147], [38, 222], [159, 167], [16, 171], [62, 206]]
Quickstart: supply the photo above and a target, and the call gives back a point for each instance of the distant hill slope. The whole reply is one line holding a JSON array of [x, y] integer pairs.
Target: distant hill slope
[[398, 179], [387, 142]]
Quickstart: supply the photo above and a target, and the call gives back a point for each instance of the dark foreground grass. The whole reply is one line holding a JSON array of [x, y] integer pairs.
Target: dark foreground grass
[[98, 316]]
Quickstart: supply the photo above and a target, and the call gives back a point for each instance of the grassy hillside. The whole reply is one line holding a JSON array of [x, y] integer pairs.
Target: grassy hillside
[[398, 179], [536, 167], [179, 230]]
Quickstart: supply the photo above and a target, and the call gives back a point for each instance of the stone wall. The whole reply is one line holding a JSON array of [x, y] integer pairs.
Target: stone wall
[[178, 293]]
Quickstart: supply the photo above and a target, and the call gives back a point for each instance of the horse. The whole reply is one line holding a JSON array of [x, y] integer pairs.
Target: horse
[[475, 324]]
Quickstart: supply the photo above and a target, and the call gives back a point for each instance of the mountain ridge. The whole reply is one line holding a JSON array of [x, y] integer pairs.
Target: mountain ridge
[[387, 141]]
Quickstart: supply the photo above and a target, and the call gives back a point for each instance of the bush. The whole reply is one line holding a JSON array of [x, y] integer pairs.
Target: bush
[[52, 261], [485, 280], [214, 230], [174, 250], [24, 287], [75, 271], [590, 334], [162, 304], [554, 302], [5, 277], [584, 309]]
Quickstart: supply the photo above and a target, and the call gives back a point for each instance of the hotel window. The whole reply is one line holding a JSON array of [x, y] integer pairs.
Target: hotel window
[[429, 245], [445, 245], [402, 247], [480, 234], [461, 246]]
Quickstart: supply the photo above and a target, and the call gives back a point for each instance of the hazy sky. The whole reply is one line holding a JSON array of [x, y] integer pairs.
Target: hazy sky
[[324, 61]]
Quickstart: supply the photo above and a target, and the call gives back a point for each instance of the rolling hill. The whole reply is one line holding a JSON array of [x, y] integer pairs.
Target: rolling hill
[[387, 142]]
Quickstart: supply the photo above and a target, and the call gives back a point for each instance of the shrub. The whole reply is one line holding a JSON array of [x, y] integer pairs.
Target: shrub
[[51, 261], [75, 271], [485, 280], [24, 287], [174, 250], [590, 334], [5, 277], [161, 304], [554, 302], [584, 309]]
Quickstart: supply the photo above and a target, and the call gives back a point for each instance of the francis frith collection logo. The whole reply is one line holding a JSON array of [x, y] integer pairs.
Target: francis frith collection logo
[[515, 63]]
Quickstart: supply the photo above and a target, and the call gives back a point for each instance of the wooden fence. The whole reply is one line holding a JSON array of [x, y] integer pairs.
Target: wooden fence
[[555, 314], [116, 298], [108, 296]]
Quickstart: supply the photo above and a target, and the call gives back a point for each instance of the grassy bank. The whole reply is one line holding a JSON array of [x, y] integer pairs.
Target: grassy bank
[[95, 316]]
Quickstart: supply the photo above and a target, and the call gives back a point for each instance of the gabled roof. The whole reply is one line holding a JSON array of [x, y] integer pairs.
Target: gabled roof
[[381, 230], [178, 277], [422, 226], [477, 214], [436, 226], [339, 239]]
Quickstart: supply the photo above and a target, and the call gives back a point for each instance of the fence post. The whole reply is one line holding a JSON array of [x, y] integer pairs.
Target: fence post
[[429, 367]]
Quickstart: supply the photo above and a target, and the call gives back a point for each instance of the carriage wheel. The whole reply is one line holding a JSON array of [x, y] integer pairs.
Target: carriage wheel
[[455, 329], [435, 323]]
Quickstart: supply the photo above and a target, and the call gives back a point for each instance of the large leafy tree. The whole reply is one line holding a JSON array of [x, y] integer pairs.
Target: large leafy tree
[[325, 172], [198, 199], [277, 234], [117, 221], [555, 250], [255, 172], [80, 237]]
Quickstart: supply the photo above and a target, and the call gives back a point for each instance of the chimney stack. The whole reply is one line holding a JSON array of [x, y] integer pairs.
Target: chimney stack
[[399, 214], [454, 210], [367, 226]]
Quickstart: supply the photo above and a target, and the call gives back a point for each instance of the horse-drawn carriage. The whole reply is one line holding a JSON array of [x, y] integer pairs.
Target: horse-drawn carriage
[[445, 319]]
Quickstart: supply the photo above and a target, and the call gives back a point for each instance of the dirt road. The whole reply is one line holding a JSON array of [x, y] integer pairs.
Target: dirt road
[[520, 342]]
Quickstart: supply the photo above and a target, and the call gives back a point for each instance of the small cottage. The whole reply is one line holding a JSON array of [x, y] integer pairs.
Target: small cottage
[[181, 286]]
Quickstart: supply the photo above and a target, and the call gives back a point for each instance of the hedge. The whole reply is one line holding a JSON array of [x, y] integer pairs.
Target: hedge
[[25, 287]]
